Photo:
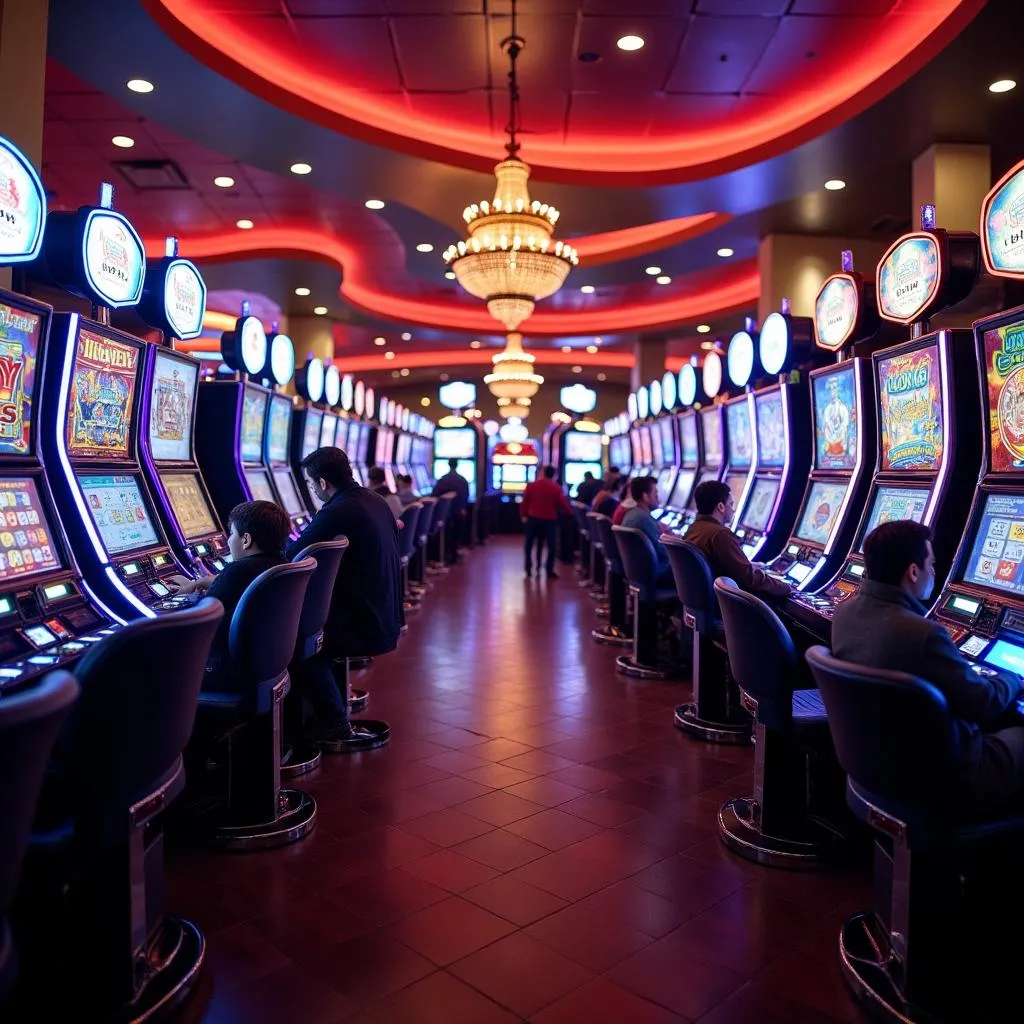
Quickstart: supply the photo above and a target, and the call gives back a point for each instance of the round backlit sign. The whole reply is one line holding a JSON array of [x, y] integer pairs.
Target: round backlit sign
[[774, 343], [668, 390], [282, 359], [631, 407], [687, 384], [643, 403], [359, 398], [712, 375], [314, 379], [654, 390], [343, 390], [252, 344], [369, 403], [739, 359], [184, 300]]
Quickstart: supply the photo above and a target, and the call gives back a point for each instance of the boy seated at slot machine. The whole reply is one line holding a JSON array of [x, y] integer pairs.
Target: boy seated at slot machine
[[257, 534]]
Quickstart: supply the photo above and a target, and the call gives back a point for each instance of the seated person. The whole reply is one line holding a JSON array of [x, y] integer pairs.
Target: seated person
[[626, 502], [644, 492], [722, 548], [257, 534], [365, 615], [607, 496], [587, 488], [406, 492], [378, 483], [883, 626]]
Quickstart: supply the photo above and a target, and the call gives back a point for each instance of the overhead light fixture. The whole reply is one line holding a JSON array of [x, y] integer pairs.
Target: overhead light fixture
[[320, 310], [380, 341], [395, 374], [602, 376], [374, 204], [630, 43], [424, 401], [474, 344], [406, 336], [591, 349], [663, 279], [403, 372], [301, 168], [566, 348], [424, 247], [577, 369], [508, 258], [301, 291], [513, 377], [725, 252], [597, 341], [140, 85], [245, 224], [703, 328], [587, 289], [835, 184], [1003, 85], [389, 355], [449, 275], [653, 271], [123, 141], [707, 345], [223, 181]]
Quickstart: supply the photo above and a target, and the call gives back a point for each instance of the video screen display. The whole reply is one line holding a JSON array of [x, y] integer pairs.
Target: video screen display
[[289, 492], [896, 503], [836, 424], [254, 412], [454, 443], [101, 398], [403, 449], [1004, 655], [771, 430], [572, 472], [385, 446], [997, 553], [513, 474], [646, 448], [279, 428], [582, 447], [19, 347], [741, 446], [634, 445], [119, 512], [665, 481], [332, 432], [26, 546], [736, 482], [762, 501], [910, 410], [188, 504], [711, 423], [1004, 396], [311, 433], [688, 439], [259, 484], [821, 511], [171, 400], [681, 491], [466, 469], [668, 441]]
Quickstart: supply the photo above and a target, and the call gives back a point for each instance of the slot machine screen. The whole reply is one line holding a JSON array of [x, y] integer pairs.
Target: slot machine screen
[[172, 395], [19, 346], [119, 512], [646, 449], [681, 491], [634, 444], [513, 473], [836, 424], [582, 447], [259, 484], [403, 449], [736, 482], [1004, 396], [101, 397], [997, 553], [454, 443], [363, 443], [619, 449], [711, 420], [762, 501], [821, 511], [254, 412], [895, 503], [688, 439], [910, 411], [329, 432], [311, 433], [279, 428], [573, 472], [741, 446], [466, 468], [188, 504], [289, 494], [664, 482], [668, 441], [771, 430], [26, 545], [385, 446]]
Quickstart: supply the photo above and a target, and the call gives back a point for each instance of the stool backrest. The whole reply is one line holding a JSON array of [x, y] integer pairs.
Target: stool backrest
[[893, 733], [428, 512], [761, 653], [29, 722], [579, 511], [608, 542], [592, 530], [444, 504], [407, 535], [694, 581], [638, 560], [317, 603]]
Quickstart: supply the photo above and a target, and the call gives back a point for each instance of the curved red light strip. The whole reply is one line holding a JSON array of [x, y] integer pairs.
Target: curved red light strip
[[708, 295], [612, 246], [904, 42]]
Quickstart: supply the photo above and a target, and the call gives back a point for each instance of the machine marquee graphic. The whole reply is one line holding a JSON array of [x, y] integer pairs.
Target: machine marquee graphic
[[911, 410], [19, 337], [101, 397]]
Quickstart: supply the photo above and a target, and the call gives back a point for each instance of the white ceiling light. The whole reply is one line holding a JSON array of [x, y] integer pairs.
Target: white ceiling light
[[223, 181], [602, 376], [703, 328], [630, 43], [301, 291], [1003, 85], [300, 168], [403, 372], [566, 348], [663, 279], [406, 336], [374, 204], [835, 184], [474, 344], [380, 341], [449, 275], [424, 247], [577, 369], [725, 252], [587, 289], [244, 224], [320, 310], [140, 85], [592, 349], [123, 141], [653, 271], [389, 355]]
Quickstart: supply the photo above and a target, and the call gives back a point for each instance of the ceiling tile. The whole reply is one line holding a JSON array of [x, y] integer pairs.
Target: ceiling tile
[[795, 54], [546, 62], [442, 54], [361, 45], [749, 8], [700, 66], [641, 71], [637, 8]]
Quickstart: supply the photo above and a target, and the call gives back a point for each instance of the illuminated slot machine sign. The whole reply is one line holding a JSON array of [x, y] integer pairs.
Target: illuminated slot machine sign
[[457, 443], [910, 411], [741, 448], [582, 454]]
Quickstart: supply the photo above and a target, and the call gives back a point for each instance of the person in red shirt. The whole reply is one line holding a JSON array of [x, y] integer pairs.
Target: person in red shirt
[[542, 502]]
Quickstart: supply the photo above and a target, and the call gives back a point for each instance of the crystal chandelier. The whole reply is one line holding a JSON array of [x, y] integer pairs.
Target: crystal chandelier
[[513, 377], [509, 259], [514, 408]]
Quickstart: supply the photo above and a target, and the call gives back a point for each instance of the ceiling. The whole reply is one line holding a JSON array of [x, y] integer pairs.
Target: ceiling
[[421, 70]]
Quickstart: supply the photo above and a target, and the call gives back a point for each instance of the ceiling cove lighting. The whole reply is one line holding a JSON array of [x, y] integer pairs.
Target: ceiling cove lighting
[[140, 85], [630, 43]]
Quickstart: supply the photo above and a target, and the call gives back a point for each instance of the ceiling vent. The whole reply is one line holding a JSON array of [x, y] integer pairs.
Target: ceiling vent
[[152, 175]]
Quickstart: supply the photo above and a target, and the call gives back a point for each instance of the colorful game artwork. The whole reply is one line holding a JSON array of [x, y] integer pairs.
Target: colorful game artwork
[[279, 429], [836, 423], [1004, 376], [908, 278], [771, 430], [170, 409], [835, 312], [820, 512], [688, 439], [254, 409], [25, 543], [1002, 221], [737, 415], [712, 424], [101, 397], [910, 405], [19, 342]]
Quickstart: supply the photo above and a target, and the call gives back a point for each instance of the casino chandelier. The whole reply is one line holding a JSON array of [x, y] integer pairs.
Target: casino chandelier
[[509, 259]]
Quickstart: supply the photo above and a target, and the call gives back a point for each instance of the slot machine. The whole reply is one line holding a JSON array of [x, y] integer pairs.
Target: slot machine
[[277, 444], [307, 423], [384, 446], [360, 432], [674, 515], [460, 443], [843, 422], [333, 429], [582, 452], [927, 412]]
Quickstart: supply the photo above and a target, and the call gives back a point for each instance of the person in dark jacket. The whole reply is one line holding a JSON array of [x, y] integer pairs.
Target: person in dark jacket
[[884, 626], [365, 615], [722, 548], [588, 488], [454, 483]]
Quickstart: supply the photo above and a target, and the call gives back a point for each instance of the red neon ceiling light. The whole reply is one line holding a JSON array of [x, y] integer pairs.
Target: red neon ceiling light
[[906, 40]]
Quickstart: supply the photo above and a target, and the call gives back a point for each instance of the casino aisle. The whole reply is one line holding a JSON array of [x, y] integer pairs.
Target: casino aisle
[[537, 843]]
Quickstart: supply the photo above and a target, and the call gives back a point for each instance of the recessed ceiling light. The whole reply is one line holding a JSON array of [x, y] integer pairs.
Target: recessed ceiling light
[[380, 341], [1003, 85], [389, 355], [406, 336], [320, 310], [577, 369], [449, 275], [223, 181], [663, 279], [566, 348], [424, 401], [597, 341], [301, 291], [474, 344], [835, 184], [630, 43], [300, 168], [245, 224], [395, 374], [442, 376], [424, 247], [591, 349], [374, 204], [703, 328], [602, 376], [725, 252], [653, 271], [123, 141], [707, 345], [587, 289], [404, 372], [140, 85]]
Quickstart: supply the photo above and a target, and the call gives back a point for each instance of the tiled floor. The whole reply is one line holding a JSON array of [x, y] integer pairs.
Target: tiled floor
[[537, 843]]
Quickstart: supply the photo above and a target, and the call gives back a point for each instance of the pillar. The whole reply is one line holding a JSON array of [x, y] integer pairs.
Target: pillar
[[955, 178], [312, 335], [648, 361]]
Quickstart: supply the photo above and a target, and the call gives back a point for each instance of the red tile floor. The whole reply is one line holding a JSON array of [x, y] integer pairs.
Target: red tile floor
[[537, 844]]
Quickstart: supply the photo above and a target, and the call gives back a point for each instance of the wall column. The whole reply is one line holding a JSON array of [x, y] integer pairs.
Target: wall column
[[648, 361], [955, 178]]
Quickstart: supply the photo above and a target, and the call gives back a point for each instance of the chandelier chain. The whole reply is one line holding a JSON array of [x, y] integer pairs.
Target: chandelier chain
[[513, 45]]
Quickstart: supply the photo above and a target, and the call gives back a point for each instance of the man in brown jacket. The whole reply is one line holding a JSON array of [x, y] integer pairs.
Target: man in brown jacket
[[721, 547]]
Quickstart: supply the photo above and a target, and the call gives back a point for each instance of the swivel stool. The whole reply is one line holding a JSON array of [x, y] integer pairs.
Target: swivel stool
[[616, 631]]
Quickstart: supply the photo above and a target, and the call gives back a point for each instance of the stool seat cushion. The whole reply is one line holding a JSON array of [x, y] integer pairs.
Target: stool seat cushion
[[810, 721]]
